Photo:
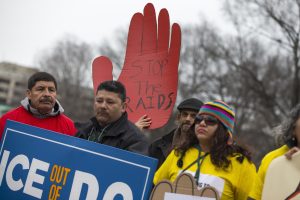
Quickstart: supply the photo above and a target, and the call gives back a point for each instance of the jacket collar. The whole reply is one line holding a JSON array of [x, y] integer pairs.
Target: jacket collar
[[169, 136], [114, 128], [57, 109]]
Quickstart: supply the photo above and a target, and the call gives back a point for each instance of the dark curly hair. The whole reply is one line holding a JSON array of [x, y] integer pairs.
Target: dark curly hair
[[220, 150]]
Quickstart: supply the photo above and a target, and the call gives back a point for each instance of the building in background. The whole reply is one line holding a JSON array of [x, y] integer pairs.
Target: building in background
[[13, 84]]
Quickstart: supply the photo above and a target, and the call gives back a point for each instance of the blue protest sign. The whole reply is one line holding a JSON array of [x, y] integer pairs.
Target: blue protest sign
[[41, 164]]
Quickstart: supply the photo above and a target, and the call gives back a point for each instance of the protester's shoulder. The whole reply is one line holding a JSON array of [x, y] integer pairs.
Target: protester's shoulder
[[133, 133], [164, 139], [132, 128], [13, 113], [240, 164], [240, 160], [267, 159], [159, 141], [66, 118], [156, 142], [81, 126], [276, 153]]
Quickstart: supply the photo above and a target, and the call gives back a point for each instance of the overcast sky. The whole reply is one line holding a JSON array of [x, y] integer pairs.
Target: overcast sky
[[29, 26]]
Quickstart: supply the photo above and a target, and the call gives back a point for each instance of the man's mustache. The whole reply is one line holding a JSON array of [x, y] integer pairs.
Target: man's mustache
[[46, 100], [102, 112], [186, 123]]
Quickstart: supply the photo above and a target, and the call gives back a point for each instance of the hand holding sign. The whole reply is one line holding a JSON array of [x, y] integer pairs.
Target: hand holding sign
[[184, 187], [150, 71]]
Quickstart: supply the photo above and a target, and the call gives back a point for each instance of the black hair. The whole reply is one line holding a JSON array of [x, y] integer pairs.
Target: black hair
[[114, 86], [40, 76]]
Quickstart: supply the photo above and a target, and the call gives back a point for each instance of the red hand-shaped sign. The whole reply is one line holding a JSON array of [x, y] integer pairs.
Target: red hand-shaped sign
[[150, 71]]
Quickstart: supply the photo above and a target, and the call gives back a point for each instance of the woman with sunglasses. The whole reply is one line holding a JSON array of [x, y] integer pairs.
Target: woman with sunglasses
[[211, 156]]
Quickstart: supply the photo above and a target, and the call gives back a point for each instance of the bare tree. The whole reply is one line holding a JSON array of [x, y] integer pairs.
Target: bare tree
[[279, 22], [263, 57], [115, 50], [70, 62]]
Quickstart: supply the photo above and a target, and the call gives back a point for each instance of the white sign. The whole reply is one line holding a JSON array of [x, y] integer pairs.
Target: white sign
[[174, 196]]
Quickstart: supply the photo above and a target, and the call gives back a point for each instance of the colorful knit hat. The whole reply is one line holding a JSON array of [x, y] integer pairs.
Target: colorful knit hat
[[223, 112]]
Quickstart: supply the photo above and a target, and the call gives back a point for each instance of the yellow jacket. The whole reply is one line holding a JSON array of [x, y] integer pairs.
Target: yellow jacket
[[257, 187]]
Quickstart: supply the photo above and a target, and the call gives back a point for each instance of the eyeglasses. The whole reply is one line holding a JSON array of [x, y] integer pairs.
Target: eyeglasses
[[209, 120]]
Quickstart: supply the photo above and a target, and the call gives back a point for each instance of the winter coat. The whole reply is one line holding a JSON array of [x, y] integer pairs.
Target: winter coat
[[161, 148], [55, 121], [121, 134]]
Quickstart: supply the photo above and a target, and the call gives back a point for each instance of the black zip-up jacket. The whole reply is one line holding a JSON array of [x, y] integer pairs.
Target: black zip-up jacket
[[121, 134], [161, 148]]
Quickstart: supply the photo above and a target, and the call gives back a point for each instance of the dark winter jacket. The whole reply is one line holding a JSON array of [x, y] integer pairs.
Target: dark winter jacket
[[161, 147], [121, 134]]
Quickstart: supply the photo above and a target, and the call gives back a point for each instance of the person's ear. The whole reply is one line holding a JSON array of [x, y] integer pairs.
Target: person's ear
[[28, 93], [124, 106]]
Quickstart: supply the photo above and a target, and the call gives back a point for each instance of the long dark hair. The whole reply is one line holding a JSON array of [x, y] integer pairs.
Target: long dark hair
[[220, 150]]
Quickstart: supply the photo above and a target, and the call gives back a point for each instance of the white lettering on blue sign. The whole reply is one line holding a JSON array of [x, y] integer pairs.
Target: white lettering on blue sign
[[80, 178]]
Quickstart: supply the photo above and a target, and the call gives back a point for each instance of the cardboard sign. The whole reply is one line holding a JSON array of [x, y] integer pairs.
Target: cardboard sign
[[150, 70], [173, 196], [184, 187], [41, 164], [282, 179]]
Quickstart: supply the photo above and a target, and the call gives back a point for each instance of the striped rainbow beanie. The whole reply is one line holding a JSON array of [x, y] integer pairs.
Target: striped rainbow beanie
[[223, 112]]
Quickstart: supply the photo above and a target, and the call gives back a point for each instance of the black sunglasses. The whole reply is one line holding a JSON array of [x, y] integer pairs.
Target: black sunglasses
[[209, 120]]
